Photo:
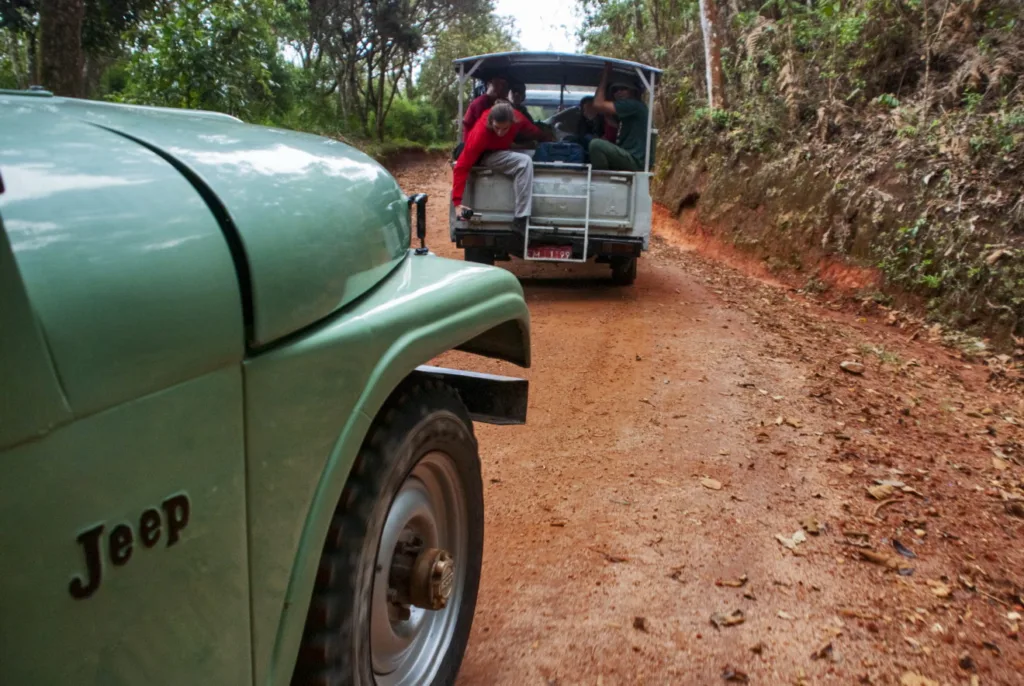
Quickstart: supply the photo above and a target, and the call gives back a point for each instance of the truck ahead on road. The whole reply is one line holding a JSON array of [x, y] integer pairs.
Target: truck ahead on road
[[579, 213], [224, 458]]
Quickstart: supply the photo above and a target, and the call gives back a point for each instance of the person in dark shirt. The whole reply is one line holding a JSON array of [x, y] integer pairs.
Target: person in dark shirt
[[497, 89], [517, 94], [630, 146], [593, 125]]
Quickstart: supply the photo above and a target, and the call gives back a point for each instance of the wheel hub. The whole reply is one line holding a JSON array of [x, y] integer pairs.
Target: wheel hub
[[420, 577]]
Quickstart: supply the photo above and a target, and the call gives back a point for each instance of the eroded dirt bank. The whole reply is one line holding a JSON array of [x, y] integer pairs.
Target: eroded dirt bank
[[694, 449]]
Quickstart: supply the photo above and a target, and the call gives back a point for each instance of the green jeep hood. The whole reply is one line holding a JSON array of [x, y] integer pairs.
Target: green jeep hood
[[316, 222]]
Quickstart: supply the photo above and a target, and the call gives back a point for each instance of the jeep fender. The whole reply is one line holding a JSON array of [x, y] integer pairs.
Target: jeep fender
[[311, 401]]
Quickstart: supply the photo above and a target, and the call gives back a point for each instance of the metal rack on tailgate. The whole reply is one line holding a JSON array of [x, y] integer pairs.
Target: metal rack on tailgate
[[546, 252]]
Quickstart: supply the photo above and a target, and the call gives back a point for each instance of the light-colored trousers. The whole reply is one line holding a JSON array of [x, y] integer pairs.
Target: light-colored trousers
[[520, 167]]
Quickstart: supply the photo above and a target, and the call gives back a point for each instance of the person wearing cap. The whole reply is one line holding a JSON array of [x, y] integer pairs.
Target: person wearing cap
[[630, 146]]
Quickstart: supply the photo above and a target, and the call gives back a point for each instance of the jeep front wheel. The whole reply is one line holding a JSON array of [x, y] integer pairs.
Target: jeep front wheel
[[398, 579]]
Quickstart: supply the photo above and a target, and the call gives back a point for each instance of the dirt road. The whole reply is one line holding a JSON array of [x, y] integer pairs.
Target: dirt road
[[694, 449]]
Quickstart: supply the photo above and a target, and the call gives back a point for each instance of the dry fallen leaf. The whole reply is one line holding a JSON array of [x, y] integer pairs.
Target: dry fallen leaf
[[999, 465], [880, 491], [880, 559], [857, 613], [735, 617], [713, 484], [861, 539], [852, 367], [735, 676], [915, 679], [993, 257], [733, 583], [795, 423], [940, 589], [614, 559], [812, 526], [793, 541]]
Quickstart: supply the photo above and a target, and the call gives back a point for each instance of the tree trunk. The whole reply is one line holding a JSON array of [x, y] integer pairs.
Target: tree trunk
[[62, 63], [95, 65], [33, 59], [713, 54]]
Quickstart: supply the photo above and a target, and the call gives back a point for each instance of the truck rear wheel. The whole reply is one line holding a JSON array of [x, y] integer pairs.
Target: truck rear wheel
[[480, 255], [624, 270], [396, 589]]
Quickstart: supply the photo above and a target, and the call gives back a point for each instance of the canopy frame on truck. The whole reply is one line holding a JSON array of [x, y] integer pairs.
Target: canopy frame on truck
[[561, 69]]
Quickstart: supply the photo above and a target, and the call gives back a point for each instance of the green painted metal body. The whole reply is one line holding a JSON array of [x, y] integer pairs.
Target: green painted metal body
[[190, 306]]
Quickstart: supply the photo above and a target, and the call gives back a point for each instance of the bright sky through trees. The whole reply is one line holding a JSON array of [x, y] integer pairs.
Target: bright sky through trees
[[543, 24]]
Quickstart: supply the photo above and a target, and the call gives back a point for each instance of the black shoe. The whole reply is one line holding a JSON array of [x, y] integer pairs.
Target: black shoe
[[519, 225]]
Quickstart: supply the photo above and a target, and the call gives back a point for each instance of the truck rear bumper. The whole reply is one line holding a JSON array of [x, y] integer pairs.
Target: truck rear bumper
[[507, 244]]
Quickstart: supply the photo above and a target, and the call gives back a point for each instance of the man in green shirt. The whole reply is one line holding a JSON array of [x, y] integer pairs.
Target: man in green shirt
[[628, 151]]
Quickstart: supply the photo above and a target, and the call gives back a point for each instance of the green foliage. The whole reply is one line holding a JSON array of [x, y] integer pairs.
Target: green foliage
[[903, 108], [791, 65], [887, 100], [415, 120], [373, 48], [207, 54], [339, 69], [14, 60], [476, 34]]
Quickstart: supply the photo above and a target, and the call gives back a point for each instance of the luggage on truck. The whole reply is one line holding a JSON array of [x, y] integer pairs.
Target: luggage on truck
[[570, 153]]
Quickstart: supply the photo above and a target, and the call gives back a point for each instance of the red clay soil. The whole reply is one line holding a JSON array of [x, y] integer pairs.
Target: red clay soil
[[696, 454]]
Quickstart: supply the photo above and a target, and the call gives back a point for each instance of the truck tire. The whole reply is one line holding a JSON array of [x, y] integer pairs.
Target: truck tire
[[624, 270], [480, 255], [415, 488]]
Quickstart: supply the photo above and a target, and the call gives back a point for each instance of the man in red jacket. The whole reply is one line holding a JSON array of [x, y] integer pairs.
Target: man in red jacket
[[487, 144]]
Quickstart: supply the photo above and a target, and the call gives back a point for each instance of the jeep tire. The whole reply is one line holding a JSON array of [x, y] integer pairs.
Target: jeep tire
[[416, 478]]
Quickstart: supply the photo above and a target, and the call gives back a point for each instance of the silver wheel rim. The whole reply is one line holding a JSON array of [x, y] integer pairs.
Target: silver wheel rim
[[430, 504]]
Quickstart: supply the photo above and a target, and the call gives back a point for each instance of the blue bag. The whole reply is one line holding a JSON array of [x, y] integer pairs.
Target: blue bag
[[571, 153]]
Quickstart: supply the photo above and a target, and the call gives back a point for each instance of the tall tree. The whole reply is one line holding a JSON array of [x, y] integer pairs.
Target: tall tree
[[207, 54], [470, 35], [100, 36], [63, 62], [375, 44], [20, 18], [709, 23]]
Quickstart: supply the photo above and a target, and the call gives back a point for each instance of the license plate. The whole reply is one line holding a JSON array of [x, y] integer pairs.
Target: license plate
[[550, 252]]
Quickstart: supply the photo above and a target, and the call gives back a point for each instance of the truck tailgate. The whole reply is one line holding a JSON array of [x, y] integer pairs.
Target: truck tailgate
[[560, 196]]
